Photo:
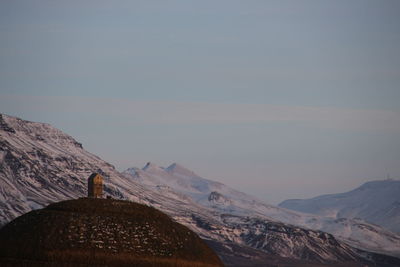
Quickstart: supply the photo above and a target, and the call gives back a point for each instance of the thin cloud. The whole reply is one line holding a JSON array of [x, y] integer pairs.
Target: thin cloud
[[169, 112]]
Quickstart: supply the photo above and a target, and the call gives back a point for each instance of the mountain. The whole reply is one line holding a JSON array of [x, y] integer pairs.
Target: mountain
[[40, 165], [110, 232], [377, 202], [223, 199]]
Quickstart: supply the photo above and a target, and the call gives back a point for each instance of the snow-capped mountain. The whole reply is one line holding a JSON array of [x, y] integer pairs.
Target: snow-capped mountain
[[186, 182], [224, 199], [39, 165], [377, 202]]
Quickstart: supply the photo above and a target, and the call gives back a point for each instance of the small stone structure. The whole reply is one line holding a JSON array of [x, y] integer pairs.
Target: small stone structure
[[95, 185]]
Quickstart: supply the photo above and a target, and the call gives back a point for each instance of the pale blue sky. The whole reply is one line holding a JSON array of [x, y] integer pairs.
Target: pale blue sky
[[281, 99]]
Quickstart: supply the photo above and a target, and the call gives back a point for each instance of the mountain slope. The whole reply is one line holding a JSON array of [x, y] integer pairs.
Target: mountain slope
[[40, 165], [377, 202], [224, 199]]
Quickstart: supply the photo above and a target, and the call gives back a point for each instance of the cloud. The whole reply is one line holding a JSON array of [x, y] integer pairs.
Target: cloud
[[169, 112]]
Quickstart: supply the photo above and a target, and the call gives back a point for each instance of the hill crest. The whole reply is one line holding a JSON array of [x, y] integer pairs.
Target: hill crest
[[123, 231]]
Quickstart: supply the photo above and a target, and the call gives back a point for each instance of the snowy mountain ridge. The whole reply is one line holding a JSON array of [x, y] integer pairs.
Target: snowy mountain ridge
[[40, 165], [222, 198], [377, 202]]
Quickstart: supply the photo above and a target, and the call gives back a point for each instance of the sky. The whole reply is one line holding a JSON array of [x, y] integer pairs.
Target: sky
[[278, 99]]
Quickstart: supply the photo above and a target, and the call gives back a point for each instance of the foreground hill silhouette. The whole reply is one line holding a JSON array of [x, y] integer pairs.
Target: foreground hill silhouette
[[107, 232]]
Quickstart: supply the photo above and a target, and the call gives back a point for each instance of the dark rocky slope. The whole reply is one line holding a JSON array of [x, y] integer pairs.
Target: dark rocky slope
[[101, 232]]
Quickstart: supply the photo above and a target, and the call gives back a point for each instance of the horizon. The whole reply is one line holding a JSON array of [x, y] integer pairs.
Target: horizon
[[277, 99]]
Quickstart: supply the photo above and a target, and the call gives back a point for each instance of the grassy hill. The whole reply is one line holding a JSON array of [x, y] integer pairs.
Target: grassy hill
[[101, 232]]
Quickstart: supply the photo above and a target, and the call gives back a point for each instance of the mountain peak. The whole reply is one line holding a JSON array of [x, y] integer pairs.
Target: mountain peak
[[379, 184], [151, 166], [373, 201], [176, 168], [37, 131], [3, 124]]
